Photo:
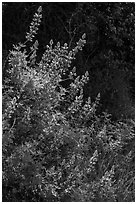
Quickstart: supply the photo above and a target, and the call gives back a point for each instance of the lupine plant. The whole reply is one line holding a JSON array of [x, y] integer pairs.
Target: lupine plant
[[55, 146]]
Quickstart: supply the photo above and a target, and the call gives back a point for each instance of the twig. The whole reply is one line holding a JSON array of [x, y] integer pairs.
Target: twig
[[12, 125]]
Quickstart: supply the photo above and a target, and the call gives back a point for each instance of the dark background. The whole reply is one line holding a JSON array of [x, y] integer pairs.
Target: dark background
[[109, 54]]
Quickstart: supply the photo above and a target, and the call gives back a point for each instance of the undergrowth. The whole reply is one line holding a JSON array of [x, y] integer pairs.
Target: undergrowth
[[55, 146]]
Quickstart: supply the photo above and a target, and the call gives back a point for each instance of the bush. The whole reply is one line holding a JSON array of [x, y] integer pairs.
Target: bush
[[55, 146]]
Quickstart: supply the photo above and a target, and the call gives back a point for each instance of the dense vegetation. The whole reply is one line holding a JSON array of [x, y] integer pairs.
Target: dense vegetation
[[60, 142]]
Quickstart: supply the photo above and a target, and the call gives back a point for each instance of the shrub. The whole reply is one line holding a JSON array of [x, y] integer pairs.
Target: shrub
[[55, 146]]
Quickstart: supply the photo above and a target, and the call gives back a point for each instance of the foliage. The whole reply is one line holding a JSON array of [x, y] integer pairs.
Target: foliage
[[109, 52], [55, 146]]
